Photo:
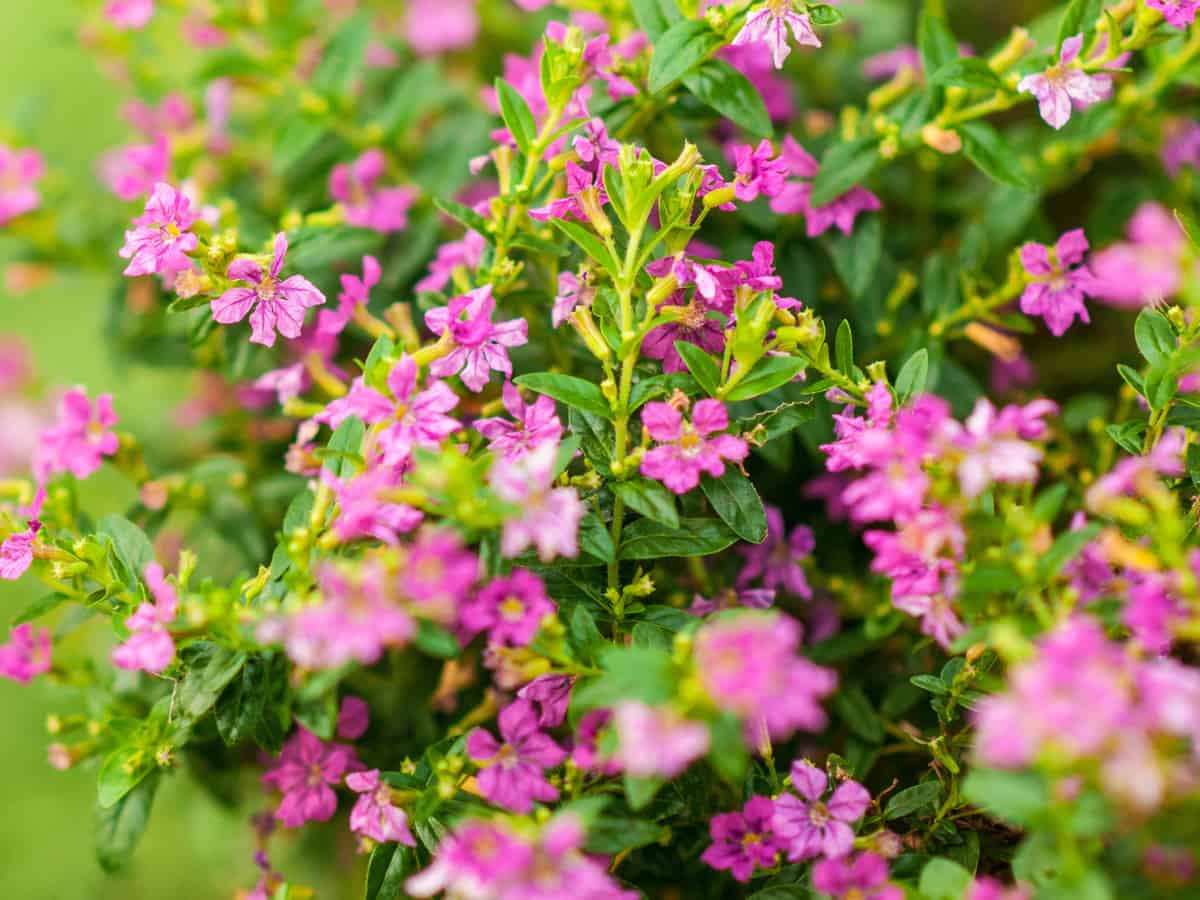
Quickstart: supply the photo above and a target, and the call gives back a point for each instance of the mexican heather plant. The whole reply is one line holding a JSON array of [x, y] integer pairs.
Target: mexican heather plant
[[638, 449]]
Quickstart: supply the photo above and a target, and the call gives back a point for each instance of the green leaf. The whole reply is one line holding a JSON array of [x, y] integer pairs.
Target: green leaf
[[703, 367], [993, 155], [589, 243], [735, 499], [824, 14], [853, 708], [772, 372], [1065, 548], [610, 836], [640, 791], [120, 827], [647, 539], [1050, 502], [942, 879], [344, 446], [210, 669], [1014, 797], [595, 540], [842, 167], [935, 42], [660, 385], [782, 892], [913, 375], [568, 389], [1155, 337], [435, 640], [1189, 225], [630, 673], [39, 608], [1078, 19], [913, 799], [389, 867], [122, 770], [843, 349], [969, 72], [654, 16], [583, 635], [239, 709], [856, 256], [128, 541], [345, 57], [464, 215], [648, 498], [517, 117], [730, 93], [680, 49]]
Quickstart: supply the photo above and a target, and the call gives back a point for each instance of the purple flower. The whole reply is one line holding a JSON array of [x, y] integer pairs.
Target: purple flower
[[272, 304], [1178, 13], [656, 742], [1134, 474], [20, 170], [758, 171], [27, 653], [1058, 285], [861, 877], [806, 826], [1062, 83], [79, 439], [511, 776], [584, 189], [305, 773], [685, 449], [510, 609], [381, 209], [374, 816], [16, 553], [777, 560], [769, 24], [594, 147], [692, 324], [547, 517], [478, 345], [355, 292], [150, 646], [353, 718], [535, 424], [161, 241], [743, 841], [550, 695]]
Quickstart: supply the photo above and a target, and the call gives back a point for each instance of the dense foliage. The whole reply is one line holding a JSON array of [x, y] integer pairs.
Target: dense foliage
[[637, 448]]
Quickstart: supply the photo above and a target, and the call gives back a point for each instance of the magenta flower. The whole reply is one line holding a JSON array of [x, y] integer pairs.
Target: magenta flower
[[16, 553], [510, 609], [806, 826], [594, 147], [131, 15], [685, 449], [743, 841], [546, 517], [272, 304], [364, 508], [794, 198], [535, 424], [550, 696], [748, 666], [355, 292], [691, 323], [511, 776], [354, 717], [1178, 13], [757, 171], [26, 655], [777, 560], [161, 241], [150, 646], [439, 574], [381, 209], [581, 182], [131, 172], [79, 440], [1059, 283], [413, 418], [453, 256], [20, 170], [585, 746], [478, 345], [1062, 83], [374, 816], [861, 877], [656, 742], [770, 23], [474, 860], [305, 773]]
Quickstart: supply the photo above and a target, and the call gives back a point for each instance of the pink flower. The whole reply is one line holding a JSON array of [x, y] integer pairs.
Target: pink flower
[[474, 860], [129, 14], [550, 695], [995, 446], [355, 292], [594, 147], [584, 187], [1058, 286], [806, 826], [272, 304], [26, 655], [20, 170], [861, 877], [374, 816], [1148, 267], [511, 776], [439, 573], [478, 345], [510, 609], [161, 241], [748, 665], [770, 23], [150, 646], [535, 424], [79, 440], [777, 560], [131, 172], [367, 206], [656, 742], [353, 718], [1178, 13], [462, 256], [305, 773], [436, 26], [16, 553], [692, 324], [1062, 83], [758, 171], [572, 292], [364, 509], [685, 449], [547, 517], [743, 841], [983, 888], [794, 197], [1182, 148]]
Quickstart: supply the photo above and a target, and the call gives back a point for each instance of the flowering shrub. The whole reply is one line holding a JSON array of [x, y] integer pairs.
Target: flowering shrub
[[591, 488]]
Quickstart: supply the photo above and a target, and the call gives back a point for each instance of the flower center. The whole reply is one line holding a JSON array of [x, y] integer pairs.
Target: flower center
[[690, 443], [512, 609], [315, 777]]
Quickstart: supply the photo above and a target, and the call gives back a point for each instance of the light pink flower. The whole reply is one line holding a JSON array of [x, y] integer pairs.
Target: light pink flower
[[656, 742], [26, 655], [20, 170], [131, 172], [129, 14], [79, 439], [437, 26], [770, 23], [355, 186], [374, 815], [534, 424], [685, 449], [1062, 83], [547, 517], [272, 304], [479, 345], [807, 826], [150, 646], [1178, 13], [160, 240], [794, 197]]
